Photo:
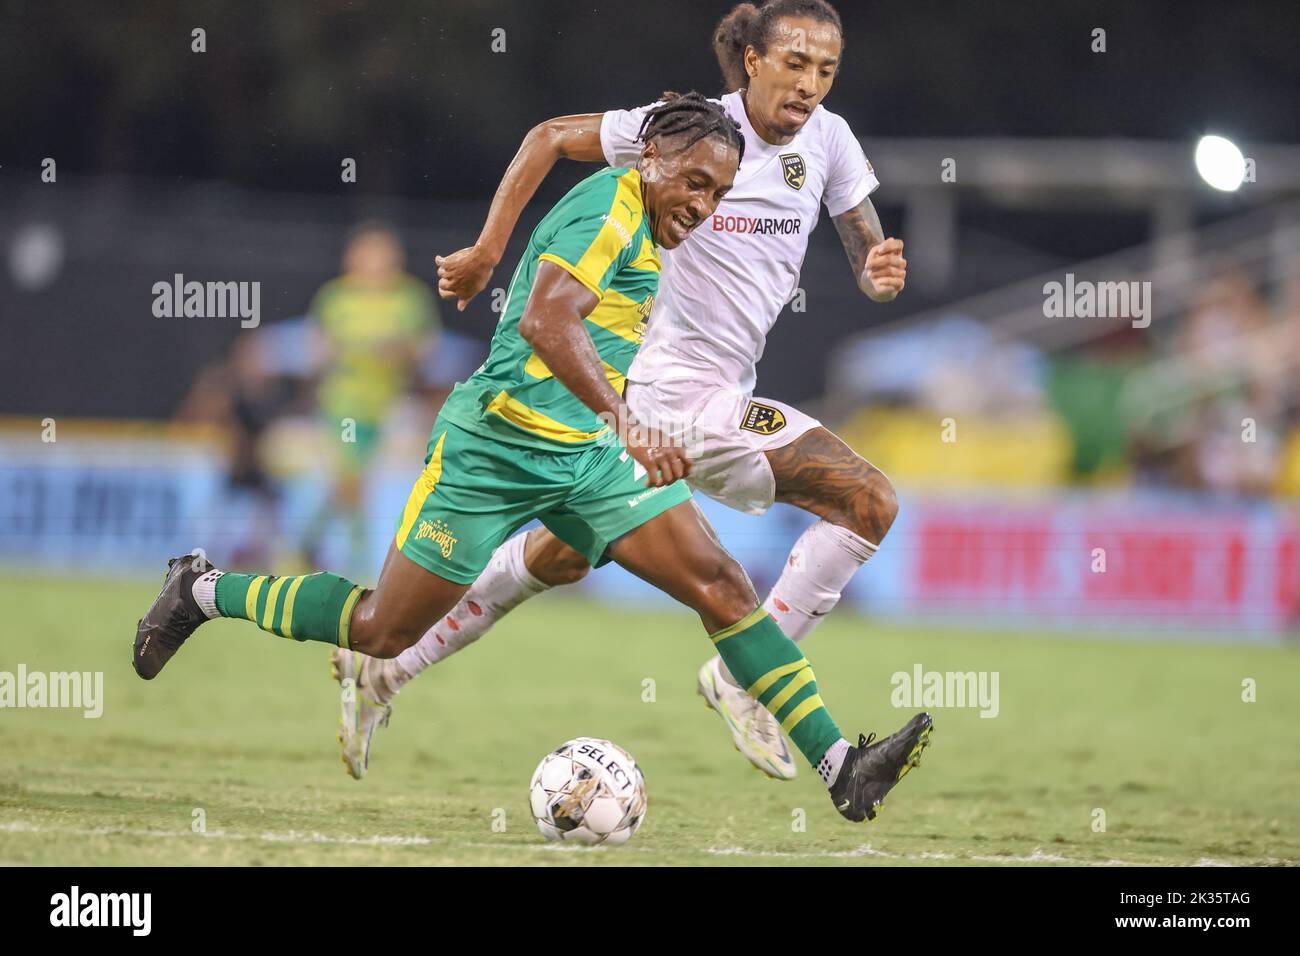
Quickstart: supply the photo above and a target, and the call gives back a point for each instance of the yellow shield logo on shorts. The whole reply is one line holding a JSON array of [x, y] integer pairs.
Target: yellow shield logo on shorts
[[795, 171], [763, 419]]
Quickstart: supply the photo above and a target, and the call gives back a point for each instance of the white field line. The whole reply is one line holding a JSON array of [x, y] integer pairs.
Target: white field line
[[304, 838], [1037, 856], [293, 836]]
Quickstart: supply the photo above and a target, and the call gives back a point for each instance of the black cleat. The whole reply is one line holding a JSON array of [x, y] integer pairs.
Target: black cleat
[[171, 618], [871, 770]]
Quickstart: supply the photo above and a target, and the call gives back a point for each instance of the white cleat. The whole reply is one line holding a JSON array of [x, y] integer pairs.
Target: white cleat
[[754, 730], [364, 707]]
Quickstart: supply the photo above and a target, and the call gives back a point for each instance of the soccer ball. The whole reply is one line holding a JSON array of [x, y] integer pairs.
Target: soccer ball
[[588, 791]]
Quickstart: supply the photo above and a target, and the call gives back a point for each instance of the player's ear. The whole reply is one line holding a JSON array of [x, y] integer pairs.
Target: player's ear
[[649, 164], [751, 62]]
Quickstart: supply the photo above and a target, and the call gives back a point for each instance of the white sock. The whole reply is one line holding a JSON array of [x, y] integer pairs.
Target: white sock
[[832, 760], [504, 584], [205, 592], [820, 565]]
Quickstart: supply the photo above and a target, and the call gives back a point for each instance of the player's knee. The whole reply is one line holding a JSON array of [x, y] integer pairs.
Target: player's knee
[[380, 639], [884, 498], [729, 595], [875, 506], [393, 642], [553, 562], [565, 567]]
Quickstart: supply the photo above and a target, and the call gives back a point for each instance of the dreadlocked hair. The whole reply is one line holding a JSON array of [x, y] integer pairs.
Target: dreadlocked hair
[[747, 25], [691, 116]]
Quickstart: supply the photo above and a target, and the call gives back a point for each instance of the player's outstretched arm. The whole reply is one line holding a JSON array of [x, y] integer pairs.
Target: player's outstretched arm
[[466, 272], [552, 325], [878, 264]]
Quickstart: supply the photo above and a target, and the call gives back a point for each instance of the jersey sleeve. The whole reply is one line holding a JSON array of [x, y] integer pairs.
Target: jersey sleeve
[[591, 238], [851, 177], [618, 135]]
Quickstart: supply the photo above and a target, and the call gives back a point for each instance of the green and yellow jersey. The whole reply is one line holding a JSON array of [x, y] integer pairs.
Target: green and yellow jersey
[[599, 234], [374, 335]]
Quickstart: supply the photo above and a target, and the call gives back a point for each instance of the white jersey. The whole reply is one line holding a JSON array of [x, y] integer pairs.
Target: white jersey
[[721, 290]]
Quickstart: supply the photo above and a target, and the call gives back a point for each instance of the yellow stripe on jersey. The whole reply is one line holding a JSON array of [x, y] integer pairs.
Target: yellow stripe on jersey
[[573, 270], [539, 369], [622, 221], [424, 486], [517, 413], [647, 258], [618, 314], [536, 367]]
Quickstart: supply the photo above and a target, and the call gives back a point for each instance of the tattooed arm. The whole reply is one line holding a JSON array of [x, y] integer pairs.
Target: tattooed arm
[[878, 264]]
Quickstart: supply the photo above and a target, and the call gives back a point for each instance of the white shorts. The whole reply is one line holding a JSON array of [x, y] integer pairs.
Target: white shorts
[[726, 434]]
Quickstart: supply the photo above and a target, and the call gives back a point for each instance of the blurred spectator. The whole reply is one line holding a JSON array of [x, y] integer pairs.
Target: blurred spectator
[[1227, 402], [1213, 406], [372, 327], [955, 365], [244, 394]]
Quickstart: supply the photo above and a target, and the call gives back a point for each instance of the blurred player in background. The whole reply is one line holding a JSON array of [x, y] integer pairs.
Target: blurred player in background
[[244, 394], [372, 325], [720, 295]]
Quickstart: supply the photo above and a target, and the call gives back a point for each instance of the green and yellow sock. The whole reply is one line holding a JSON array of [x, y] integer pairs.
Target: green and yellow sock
[[770, 667], [308, 607]]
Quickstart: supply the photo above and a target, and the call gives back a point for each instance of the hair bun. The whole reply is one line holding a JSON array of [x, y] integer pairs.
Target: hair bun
[[734, 32]]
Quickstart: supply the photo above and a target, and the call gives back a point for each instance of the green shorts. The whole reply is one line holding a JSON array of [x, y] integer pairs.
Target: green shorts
[[475, 492]]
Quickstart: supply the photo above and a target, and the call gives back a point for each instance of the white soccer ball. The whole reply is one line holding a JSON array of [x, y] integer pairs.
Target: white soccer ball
[[588, 791]]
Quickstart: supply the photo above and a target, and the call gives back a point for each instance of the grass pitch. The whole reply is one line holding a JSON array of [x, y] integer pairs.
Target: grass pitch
[[229, 757]]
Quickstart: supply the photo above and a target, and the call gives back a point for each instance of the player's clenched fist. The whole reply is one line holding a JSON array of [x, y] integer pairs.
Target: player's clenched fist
[[664, 460], [464, 274], [886, 270]]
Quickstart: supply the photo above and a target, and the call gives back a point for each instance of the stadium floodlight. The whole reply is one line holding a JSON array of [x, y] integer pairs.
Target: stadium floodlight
[[1220, 163]]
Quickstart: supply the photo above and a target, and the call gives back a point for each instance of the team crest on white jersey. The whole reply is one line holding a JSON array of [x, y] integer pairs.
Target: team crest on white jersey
[[795, 170], [763, 419]]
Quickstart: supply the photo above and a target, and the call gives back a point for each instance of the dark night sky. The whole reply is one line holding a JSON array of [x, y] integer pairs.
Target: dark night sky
[[414, 90]]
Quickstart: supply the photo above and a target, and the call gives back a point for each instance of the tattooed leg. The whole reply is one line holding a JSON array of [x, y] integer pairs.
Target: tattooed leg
[[819, 473], [856, 505]]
